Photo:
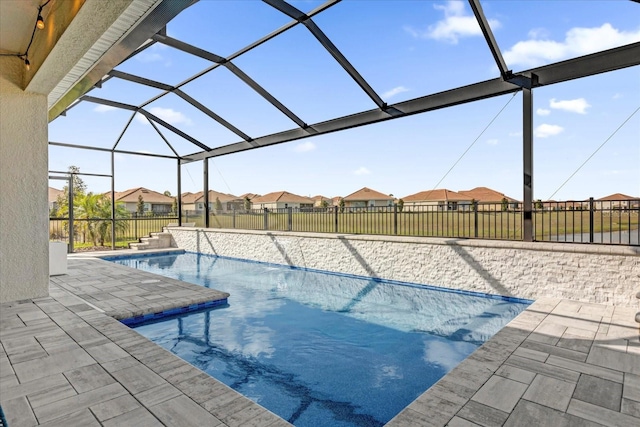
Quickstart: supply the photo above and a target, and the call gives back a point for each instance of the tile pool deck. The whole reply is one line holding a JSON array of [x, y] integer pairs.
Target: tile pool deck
[[65, 360]]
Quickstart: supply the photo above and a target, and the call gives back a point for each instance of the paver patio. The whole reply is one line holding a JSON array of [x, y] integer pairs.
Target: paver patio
[[66, 360]]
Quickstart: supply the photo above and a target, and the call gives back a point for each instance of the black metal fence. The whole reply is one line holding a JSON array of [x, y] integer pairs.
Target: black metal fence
[[613, 222], [96, 232], [606, 222]]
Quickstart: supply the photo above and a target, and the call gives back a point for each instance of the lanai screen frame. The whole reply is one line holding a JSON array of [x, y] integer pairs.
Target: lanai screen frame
[[153, 30]]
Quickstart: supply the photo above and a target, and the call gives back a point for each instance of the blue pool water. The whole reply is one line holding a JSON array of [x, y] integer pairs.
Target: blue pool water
[[317, 348]]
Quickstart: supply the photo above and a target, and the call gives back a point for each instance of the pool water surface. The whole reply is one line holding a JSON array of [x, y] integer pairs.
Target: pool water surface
[[317, 348]]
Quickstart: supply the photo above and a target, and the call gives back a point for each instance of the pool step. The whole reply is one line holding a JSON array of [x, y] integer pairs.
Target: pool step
[[155, 241]]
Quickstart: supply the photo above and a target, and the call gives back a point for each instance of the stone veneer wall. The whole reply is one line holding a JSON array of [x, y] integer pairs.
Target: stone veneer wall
[[589, 273]]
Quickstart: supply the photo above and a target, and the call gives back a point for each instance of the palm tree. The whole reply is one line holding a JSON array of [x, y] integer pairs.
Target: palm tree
[[95, 209]]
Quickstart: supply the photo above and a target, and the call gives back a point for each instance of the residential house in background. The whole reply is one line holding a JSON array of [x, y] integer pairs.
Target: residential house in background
[[489, 199], [153, 201], [335, 201], [228, 202], [281, 200], [366, 197], [318, 201], [53, 198], [249, 196], [439, 199], [617, 201]]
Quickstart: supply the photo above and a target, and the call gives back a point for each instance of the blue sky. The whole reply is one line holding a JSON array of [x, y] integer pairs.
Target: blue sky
[[404, 49]]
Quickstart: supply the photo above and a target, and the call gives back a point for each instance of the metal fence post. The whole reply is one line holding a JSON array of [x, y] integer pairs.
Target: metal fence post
[[475, 221], [72, 234], [591, 220], [335, 219], [395, 218], [266, 218], [234, 218], [290, 218], [135, 225]]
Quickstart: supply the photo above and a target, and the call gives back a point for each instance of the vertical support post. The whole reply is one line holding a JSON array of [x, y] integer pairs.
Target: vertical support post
[[234, 217], [113, 201], [475, 218], [266, 218], [289, 218], [591, 220], [205, 173], [179, 196], [335, 219], [71, 233], [395, 219], [527, 157]]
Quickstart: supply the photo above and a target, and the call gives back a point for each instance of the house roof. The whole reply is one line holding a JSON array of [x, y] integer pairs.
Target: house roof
[[149, 196], [282, 197], [54, 193], [188, 197], [485, 194], [366, 194], [249, 196], [441, 194], [618, 196], [320, 198], [213, 195]]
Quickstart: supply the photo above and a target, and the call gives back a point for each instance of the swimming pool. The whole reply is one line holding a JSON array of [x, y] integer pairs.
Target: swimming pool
[[318, 348]]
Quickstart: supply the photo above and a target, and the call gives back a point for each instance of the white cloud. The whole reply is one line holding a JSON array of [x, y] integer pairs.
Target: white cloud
[[104, 108], [617, 96], [578, 41], [304, 147], [579, 105], [455, 25], [493, 141], [517, 134], [546, 130], [169, 115], [141, 119], [361, 171], [393, 92], [537, 33], [543, 112]]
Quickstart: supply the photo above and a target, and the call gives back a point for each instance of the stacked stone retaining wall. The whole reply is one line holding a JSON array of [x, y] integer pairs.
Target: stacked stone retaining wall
[[588, 273]]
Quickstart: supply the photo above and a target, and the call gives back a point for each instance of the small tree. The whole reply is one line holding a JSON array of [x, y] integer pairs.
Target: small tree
[[324, 203], [400, 205], [218, 204], [247, 203], [174, 206], [538, 204], [505, 204], [79, 191], [167, 193], [140, 206], [474, 205], [341, 205]]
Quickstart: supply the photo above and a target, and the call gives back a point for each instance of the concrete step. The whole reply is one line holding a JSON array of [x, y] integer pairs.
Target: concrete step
[[152, 242], [139, 246], [161, 234], [159, 240]]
